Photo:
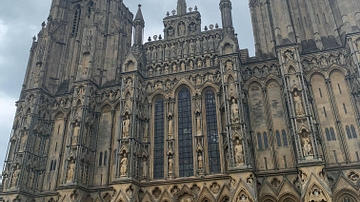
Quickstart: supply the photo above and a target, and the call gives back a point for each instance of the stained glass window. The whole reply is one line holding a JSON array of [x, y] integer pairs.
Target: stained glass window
[[285, 139], [186, 164], [278, 138], [212, 133], [159, 139]]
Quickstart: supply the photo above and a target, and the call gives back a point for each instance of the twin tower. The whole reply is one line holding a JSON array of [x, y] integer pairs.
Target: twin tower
[[188, 116]]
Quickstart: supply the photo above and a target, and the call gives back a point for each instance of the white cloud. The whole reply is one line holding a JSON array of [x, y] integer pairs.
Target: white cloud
[[3, 30], [7, 111]]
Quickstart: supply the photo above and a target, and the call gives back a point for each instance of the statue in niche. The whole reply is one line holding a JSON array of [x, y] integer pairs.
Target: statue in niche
[[229, 65], [299, 109], [146, 132], [192, 47], [182, 66], [23, 141], [166, 71], [307, 148], [124, 164], [76, 134], [174, 50], [208, 62], [15, 176], [181, 29], [199, 63], [145, 168], [154, 54], [185, 48], [174, 67], [235, 111], [191, 65], [36, 73], [239, 153], [243, 198], [126, 127], [200, 161], [198, 46], [167, 51], [71, 170], [171, 164]]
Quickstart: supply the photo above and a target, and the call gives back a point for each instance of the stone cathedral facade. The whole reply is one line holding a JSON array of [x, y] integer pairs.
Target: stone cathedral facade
[[188, 116]]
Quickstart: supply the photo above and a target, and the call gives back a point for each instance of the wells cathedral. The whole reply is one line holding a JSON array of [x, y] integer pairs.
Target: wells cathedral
[[188, 116]]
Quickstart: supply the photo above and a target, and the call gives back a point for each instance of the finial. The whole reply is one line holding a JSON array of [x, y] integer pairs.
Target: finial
[[196, 8], [190, 9], [155, 37], [160, 37], [34, 38], [216, 26], [205, 28], [43, 24], [173, 12], [149, 39], [168, 14], [139, 5], [211, 26]]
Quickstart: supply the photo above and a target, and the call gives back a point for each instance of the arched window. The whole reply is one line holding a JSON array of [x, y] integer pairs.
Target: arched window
[[278, 138], [212, 133], [266, 141], [159, 139], [348, 132], [105, 158], [186, 164], [354, 135], [76, 21], [327, 132], [332, 134], [100, 158], [259, 139], [285, 139]]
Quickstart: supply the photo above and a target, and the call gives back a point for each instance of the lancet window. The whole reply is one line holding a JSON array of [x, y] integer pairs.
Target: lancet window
[[185, 144], [212, 133], [159, 139]]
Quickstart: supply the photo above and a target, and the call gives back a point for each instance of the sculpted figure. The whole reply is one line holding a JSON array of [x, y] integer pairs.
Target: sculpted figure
[[299, 109], [71, 171], [174, 67], [199, 63], [15, 176], [171, 164], [307, 149], [170, 126], [208, 62], [229, 65], [123, 168], [239, 157], [126, 127], [76, 133], [191, 64], [234, 112], [145, 168], [23, 142], [200, 161], [182, 66], [198, 125]]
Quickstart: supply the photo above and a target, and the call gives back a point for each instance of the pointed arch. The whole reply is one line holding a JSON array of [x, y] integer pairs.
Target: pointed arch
[[159, 138]]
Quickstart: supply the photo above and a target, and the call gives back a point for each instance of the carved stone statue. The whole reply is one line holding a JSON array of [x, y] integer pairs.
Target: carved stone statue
[[126, 127], [76, 134], [199, 63], [307, 148], [23, 141], [182, 66], [299, 109], [200, 161], [239, 153], [171, 164], [71, 171], [234, 112], [208, 62], [15, 176], [191, 65], [145, 168], [181, 29], [146, 132], [174, 67], [124, 164]]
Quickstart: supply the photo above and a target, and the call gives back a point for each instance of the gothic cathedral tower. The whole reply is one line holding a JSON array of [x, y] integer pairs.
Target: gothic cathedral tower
[[189, 116]]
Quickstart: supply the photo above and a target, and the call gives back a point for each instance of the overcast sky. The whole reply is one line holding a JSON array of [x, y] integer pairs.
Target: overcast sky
[[20, 20]]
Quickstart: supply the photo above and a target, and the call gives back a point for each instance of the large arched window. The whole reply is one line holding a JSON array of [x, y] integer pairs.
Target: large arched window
[[260, 147], [159, 139], [348, 132], [327, 132], [77, 17], [212, 133], [186, 164], [266, 141]]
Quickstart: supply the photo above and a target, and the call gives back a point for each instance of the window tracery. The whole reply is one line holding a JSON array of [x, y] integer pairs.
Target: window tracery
[[185, 142], [159, 139]]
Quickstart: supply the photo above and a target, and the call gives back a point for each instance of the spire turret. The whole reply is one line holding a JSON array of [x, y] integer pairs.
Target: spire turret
[[139, 24], [226, 16], [181, 7]]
